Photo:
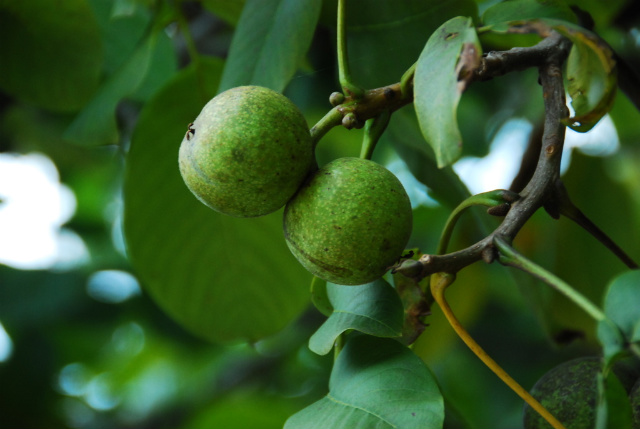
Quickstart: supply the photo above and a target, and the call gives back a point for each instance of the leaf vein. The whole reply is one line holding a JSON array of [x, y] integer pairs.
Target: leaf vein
[[337, 401]]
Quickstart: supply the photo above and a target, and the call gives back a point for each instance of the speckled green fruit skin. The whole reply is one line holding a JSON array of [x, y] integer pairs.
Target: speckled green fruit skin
[[247, 152], [569, 392], [349, 222], [634, 398]]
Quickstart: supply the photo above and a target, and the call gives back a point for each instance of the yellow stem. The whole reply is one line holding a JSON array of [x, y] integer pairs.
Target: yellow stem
[[439, 283]]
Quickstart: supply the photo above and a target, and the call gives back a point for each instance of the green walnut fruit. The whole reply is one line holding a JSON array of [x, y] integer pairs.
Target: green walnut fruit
[[569, 391], [247, 152], [634, 398], [349, 222]]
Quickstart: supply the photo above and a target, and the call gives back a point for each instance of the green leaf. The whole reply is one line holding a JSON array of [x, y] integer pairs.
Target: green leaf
[[591, 69], [229, 10], [442, 74], [592, 77], [252, 409], [375, 383], [373, 308], [122, 30], [513, 10], [96, 124], [385, 37], [271, 41], [611, 339], [445, 185], [208, 271], [51, 53], [621, 303], [320, 297], [613, 409]]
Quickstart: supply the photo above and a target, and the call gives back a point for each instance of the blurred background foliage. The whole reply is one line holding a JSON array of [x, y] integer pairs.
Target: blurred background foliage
[[82, 342]]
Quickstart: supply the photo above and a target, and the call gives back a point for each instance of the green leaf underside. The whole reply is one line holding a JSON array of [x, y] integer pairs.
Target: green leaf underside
[[621, 302], [375, 383], [590, 69], [514, 10], [50, 53], [373, 308], [270, 42], [438, 85], [96, 124], [207, 271], [592, 77]]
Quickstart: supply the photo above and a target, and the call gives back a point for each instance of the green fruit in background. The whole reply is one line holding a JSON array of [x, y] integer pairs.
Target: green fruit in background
[[569, 391], [349, 222], [634, 397], [247, 152]]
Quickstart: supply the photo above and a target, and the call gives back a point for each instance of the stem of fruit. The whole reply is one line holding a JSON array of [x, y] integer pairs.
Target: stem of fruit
[[439, 283], [332, 119], [373, 130], [344, 74], [489, 199], [509, 256]]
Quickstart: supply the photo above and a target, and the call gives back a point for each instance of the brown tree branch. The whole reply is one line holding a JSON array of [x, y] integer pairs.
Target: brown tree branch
[[548, 56]]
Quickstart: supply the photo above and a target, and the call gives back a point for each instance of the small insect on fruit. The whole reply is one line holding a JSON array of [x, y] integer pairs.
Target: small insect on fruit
[[190, 131]]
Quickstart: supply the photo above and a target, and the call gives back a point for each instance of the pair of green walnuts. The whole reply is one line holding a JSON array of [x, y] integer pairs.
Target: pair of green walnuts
[[249, 153]]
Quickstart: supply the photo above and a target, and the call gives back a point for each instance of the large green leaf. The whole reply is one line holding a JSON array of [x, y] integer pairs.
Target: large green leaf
[[621, 302], [96, 124], [441, 76], [512, 10], [271, 41], [376, 383], [373, 308], [50, 53], [385, 37], [223, 278]]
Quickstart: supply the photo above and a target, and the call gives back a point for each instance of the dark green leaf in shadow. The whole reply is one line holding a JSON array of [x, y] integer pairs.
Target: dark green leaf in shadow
[[373, 308], [96, 124], [385, 37], [375, 383], [621, 302], [222, 278], [51, 53], [443, 71], [513, 10], [270, 43], [229, 10]]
